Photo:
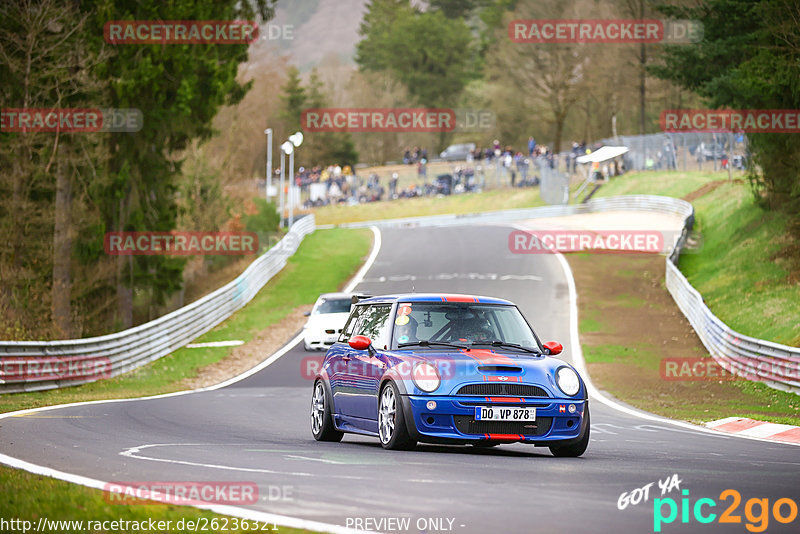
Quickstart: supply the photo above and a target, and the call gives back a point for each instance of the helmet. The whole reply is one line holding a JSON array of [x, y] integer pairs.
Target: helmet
[[407, 333], [471, 326]]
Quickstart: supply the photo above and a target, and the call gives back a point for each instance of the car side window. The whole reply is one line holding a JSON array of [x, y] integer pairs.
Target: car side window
[[374, 323], [347, 331]]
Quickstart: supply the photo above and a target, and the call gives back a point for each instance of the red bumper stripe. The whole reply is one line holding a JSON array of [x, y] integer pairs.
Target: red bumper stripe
[[513, 437]]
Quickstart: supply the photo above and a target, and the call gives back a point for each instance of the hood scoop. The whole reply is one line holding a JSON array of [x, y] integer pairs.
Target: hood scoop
[[505, 369]]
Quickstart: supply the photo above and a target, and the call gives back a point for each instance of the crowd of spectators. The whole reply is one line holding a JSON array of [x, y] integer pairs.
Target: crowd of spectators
[[341, 184]]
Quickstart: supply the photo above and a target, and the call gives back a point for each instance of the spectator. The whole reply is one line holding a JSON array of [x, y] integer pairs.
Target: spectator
[[422, 169], [531, 145], [393, 186]]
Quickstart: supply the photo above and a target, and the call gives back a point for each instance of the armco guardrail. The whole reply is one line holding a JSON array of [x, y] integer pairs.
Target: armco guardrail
[[776, 365], [38, 365]]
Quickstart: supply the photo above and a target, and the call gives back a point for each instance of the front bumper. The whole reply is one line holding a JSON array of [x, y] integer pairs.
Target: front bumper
[[319, 340], [453, 420]]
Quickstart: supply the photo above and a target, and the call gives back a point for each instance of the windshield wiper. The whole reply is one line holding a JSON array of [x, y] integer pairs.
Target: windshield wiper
[[424, 343], [511, 345]]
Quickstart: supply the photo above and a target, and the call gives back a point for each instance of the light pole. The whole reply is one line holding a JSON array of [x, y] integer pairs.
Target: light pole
[[296, 140], [286, 148], [268, 131]]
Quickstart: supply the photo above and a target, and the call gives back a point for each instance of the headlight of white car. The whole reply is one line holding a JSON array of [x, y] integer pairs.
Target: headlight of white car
[[568, 381], [426, 377]]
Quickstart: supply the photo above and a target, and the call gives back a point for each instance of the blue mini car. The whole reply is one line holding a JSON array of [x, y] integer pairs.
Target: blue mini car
[[450, 369]]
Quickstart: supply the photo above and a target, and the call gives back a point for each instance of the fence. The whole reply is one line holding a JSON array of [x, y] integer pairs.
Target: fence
[[682, 151], [776, 365], [38, 365]]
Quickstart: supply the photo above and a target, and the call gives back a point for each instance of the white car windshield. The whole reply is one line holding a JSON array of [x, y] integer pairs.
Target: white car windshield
[[333, 306]]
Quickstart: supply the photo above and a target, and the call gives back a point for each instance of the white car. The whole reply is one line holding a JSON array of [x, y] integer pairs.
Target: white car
[[326, 320]]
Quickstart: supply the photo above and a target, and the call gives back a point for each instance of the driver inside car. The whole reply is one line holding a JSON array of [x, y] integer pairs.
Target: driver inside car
[[407, 333], [471, 327]]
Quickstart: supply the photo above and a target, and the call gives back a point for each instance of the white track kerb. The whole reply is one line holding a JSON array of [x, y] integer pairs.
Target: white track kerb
[[235, 511]]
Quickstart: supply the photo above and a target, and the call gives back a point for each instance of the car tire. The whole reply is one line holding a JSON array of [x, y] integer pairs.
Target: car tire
[[392, 431], [321, 415], [578, 448]]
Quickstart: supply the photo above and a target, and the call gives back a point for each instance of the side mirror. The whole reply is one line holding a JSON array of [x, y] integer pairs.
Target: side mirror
[[553, 347], [307, 314], [362, 343]]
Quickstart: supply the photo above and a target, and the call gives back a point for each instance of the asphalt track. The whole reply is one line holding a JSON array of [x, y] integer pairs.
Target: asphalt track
[[258, 430]]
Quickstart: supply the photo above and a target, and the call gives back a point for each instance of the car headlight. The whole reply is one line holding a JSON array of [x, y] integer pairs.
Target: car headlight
[[426, 377], [568, 381]]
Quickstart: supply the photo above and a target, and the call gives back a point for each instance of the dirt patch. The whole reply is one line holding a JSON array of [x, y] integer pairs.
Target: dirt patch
[[247, 356], [630, 323], [707, 188]]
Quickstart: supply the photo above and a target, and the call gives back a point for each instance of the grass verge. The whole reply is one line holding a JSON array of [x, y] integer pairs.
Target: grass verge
[[325, 260], [28, 497], [667, 183], [497, 199], [742, 270]]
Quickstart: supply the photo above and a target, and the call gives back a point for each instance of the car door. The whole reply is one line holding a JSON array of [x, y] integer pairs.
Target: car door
[[337, 359], [365, 370]]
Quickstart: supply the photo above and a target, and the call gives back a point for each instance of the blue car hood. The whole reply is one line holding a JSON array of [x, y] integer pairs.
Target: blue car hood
[[459, 367]]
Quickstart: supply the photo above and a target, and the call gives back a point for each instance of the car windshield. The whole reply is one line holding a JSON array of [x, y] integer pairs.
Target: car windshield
[[333, 306], [462, 324]]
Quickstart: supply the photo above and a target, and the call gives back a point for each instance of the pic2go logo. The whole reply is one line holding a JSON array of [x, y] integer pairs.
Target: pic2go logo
[[783, 511]]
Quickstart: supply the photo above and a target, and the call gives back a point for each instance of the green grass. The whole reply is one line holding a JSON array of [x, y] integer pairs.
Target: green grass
[[630, 301], [498, 199], [590, 322], [29, 497], [325, 260], [671, 184], [738, 270], [640, 354], [606, 353]]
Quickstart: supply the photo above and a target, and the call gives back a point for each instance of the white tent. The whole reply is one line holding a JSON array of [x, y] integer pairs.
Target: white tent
[[603, 154]]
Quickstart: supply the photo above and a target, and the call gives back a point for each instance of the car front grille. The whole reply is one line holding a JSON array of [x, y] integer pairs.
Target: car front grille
[[494, 389], [467, 424], [496, 403]]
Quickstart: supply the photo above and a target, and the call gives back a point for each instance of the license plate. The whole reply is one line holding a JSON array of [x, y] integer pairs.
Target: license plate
[[505, 413]]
